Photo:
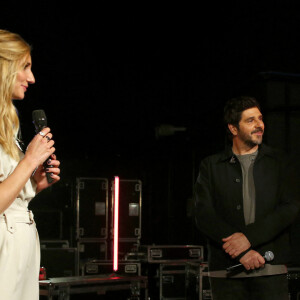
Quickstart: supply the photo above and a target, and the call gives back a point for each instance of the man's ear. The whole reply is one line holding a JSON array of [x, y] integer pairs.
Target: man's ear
[[233, 129]]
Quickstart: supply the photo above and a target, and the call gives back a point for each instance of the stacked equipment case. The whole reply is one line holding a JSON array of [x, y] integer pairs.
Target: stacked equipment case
[[91, 218], [95, 221], [59, 258], [197, 282], [130, 216], [166, 268]]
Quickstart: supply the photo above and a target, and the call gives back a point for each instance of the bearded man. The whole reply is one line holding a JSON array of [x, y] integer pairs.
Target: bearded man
[[245, 200]]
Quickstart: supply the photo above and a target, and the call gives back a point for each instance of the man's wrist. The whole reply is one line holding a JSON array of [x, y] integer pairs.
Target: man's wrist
[[243, 253]]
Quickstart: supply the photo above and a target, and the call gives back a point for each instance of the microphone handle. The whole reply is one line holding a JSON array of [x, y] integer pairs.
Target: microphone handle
[[45, 165], [233, 267]]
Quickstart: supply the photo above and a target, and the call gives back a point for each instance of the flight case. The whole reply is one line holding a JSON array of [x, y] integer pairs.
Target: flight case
[[91, 208]]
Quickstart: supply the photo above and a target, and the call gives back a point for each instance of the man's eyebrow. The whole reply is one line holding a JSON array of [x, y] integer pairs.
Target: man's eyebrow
[[253, 117]]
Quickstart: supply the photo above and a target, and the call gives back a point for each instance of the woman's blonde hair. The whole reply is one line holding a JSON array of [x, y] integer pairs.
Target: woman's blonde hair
[[13, 50]]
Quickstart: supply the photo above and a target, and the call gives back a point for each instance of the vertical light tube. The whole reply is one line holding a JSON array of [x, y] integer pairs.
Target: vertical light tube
[[116, 223]]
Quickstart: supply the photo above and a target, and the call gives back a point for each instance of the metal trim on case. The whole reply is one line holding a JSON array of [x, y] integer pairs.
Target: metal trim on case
[[155, 253], [195, 252]]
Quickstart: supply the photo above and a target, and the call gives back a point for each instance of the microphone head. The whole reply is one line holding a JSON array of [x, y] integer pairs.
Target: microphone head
[[39, 119], [269, 256]]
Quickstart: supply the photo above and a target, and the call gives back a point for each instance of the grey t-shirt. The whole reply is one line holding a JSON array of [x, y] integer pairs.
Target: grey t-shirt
[[247, 162]]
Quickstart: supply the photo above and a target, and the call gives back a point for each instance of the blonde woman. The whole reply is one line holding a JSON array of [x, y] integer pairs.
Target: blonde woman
[[21, 176]]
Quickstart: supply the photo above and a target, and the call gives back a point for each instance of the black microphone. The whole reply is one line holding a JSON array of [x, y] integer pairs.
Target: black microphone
[[269, 256], [39, 120]]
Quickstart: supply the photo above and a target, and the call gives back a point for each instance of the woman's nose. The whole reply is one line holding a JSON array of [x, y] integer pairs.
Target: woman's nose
[[31, 78]]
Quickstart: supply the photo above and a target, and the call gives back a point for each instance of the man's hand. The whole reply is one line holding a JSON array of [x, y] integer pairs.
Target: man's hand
[[252, 260], [235, 244]]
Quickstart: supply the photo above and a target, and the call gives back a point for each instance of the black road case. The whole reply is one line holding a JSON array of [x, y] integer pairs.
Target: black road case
[[172, 281], [89, 249], [125, 246], [130, 209], [64, 288], [294, 282], [197, 282], [176, 253], [60, 262], [91, 207], [95, 267]]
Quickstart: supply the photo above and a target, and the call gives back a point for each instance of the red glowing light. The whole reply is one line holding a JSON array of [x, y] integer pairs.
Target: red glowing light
[[116, 223]]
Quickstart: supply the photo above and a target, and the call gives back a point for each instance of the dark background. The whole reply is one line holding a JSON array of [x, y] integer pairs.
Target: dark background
[[109, 76]]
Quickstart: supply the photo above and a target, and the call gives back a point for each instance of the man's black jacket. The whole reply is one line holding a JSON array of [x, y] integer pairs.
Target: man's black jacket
[[219, 204]]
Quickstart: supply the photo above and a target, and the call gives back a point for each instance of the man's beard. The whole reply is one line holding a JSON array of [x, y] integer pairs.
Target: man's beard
[[249, 141]]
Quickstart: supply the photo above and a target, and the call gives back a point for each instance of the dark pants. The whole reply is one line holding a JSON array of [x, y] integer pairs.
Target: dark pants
[[273, 287]]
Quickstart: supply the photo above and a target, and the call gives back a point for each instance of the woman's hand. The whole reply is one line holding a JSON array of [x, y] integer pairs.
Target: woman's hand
[[40, 148], [40, 174]]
